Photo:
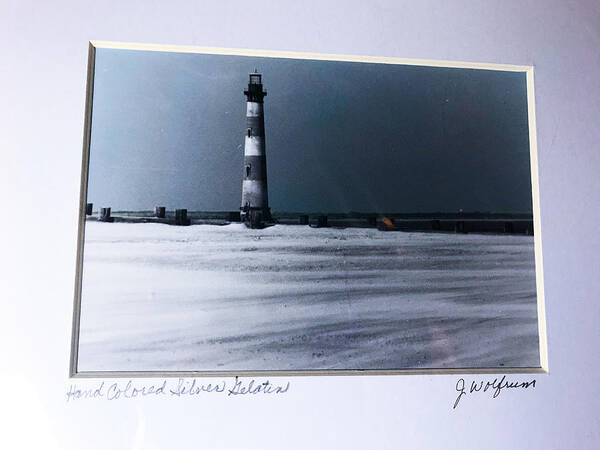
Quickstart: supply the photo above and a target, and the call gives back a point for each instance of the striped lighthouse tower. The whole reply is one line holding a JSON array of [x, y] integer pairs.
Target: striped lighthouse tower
[[255, 211]]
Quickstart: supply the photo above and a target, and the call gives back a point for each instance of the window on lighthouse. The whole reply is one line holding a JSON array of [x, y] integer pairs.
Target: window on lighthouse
[[248, 167], [249, 131]]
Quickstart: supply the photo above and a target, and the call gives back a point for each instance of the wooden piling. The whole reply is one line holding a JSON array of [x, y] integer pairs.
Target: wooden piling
[[88, 209], [181, 217], [104, 215], [160, 212], [322, 222], [304, 219]]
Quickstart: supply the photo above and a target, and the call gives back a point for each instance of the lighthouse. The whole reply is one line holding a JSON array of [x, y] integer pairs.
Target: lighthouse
[[255, 211]]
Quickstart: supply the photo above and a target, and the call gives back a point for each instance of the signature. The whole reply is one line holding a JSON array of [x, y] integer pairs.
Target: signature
[[495, 387]]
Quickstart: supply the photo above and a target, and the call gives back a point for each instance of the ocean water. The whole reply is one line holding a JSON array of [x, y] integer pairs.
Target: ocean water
[[290, 297]]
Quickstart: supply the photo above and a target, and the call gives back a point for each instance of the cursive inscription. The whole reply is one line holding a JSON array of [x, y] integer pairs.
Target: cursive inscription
[[185, 387], [180, 387], [495, 387], [239, 388], [115, 391]]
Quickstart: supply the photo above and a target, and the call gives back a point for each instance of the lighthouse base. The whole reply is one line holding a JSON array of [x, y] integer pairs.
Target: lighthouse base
[[255, 217]]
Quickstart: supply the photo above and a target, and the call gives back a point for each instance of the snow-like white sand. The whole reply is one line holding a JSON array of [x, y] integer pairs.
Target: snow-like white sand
[[205, 297]]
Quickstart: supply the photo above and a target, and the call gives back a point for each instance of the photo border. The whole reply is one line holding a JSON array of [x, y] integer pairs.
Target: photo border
[[541, 310]]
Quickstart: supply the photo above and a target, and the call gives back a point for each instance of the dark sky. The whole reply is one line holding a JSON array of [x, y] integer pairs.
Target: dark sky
[[168, 129]]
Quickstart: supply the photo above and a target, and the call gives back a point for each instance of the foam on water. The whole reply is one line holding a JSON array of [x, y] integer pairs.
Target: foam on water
[[204, 297]]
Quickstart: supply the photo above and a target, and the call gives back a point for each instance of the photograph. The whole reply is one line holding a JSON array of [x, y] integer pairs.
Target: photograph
[[251, 212]]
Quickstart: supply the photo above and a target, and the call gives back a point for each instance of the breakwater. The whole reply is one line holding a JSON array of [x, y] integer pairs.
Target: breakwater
[[497, 223]]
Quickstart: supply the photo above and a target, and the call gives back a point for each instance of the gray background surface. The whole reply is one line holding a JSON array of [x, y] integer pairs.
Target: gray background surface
[[42, 85]]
